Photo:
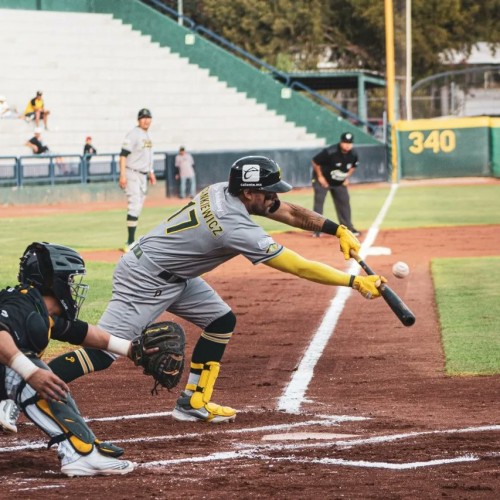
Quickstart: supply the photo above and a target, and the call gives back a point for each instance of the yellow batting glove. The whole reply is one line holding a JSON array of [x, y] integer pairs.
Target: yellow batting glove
[[347, 241], [368, 286]]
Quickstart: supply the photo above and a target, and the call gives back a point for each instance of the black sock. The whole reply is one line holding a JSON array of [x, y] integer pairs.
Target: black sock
[[131, 227], [74, 364]]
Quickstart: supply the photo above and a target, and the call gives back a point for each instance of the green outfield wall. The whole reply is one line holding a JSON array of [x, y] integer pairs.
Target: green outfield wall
[[456, 147], [495, 146]]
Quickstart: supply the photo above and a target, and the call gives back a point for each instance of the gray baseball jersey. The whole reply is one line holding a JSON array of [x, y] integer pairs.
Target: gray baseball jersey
[[211, 229], [163, 270], [140, 146]]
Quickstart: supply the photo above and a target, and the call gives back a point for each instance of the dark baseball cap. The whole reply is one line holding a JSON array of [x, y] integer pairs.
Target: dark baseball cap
[[144, 113], [347, 137]]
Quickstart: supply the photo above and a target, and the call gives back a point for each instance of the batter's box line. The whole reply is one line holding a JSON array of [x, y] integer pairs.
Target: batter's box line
[[255, 455], [324, 420], [261, 452]]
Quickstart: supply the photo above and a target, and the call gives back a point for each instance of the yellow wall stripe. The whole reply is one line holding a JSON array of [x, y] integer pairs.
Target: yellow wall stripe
[[441, 123]]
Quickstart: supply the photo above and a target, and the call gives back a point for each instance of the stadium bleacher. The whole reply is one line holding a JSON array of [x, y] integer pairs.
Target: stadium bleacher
[[96, 73]]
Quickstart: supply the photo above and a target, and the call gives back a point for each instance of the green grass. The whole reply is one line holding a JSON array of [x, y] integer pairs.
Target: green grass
[[434, 206], [468, 299], [413, 206]]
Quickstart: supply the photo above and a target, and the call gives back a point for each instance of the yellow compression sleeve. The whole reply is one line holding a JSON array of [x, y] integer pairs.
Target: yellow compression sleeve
[[290, 262]]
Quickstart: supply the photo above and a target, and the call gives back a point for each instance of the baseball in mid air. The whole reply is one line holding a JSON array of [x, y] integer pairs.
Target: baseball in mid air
[[400, 269]]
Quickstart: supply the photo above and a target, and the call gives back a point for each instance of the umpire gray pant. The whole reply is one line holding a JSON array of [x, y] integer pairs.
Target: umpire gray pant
[[341, 201]]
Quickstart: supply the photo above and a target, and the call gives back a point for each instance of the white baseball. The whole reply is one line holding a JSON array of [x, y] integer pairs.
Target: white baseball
[[400, 269]]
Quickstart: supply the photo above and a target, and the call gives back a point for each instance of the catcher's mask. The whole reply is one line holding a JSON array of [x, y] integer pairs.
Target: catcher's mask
[[55, 270], [258, 173]]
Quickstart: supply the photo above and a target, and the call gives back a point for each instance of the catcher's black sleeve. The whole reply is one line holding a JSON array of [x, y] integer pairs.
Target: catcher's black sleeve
[[73, 332]]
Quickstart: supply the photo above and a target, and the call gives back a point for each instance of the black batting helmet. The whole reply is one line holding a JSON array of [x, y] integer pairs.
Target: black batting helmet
[[256, 172], [55, 270]]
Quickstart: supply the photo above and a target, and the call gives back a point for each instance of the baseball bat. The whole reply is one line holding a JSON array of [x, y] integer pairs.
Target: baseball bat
[[399, 308]]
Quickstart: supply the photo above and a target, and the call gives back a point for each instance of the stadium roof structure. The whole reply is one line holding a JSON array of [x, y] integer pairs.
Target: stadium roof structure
[[336, 80], [358, 80]]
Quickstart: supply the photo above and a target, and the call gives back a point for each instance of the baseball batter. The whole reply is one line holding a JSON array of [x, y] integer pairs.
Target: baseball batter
[[163, 272], [136, 167]]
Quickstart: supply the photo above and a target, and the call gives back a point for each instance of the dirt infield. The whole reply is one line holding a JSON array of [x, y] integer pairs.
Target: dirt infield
[[380, 419]]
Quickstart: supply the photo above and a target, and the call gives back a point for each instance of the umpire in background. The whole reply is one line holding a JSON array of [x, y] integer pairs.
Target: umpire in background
[[136, 167], [332, 168]]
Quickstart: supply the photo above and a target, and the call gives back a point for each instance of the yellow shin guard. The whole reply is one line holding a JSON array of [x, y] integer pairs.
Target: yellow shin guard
[[202, 393]]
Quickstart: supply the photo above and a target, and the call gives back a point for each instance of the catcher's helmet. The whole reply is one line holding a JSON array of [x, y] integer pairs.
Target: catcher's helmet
[[55, 270], [256, 172]]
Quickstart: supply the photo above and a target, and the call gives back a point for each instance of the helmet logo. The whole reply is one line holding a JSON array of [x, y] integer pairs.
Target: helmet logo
[[251, 173]]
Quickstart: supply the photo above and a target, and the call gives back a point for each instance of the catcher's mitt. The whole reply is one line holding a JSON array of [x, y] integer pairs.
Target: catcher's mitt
[[167, 363]]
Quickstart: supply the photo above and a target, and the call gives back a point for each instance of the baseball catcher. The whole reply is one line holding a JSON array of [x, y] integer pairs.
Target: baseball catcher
[[160, 351]]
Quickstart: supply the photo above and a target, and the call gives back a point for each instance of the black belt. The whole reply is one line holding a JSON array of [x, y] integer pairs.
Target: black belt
[[167, 276], [138, 171]]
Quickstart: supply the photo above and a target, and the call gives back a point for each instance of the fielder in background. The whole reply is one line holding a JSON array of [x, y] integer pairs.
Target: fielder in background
[[45, 305], [164, 269], [136, 168], [332, 168], [184, 163]]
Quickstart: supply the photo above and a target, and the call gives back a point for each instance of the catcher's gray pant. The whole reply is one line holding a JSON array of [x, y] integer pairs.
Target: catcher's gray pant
[[13, 381], [341, 201], [140, 296], [136, 190]]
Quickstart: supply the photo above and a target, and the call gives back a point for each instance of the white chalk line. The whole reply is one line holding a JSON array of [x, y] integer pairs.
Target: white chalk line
[[47, 487], [250, 451], [325, 420], [380, 465], [261, 452], [294, 394], [254, 455]]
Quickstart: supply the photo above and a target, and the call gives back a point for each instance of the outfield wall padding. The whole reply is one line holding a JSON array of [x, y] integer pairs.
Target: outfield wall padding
[[456, 147], [495, 146]]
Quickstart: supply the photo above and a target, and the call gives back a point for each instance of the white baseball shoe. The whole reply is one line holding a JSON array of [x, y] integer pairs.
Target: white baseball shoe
[[9, 413], [96, 464], [210, 412]]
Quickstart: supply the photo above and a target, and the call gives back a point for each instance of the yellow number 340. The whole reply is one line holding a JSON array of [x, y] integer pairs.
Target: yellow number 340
[[440, 141]]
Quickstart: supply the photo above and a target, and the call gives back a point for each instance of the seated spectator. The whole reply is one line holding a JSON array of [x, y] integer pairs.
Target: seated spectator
[[36, 110], [36, 144], [5, 110], [39, 148]]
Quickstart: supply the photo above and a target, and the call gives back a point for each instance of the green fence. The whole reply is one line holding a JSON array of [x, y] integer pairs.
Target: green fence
[[457, 147], [495, 146]]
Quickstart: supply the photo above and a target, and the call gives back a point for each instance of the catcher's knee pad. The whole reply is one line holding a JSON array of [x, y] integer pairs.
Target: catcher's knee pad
[[59, 419], [202, 393], [65, 414]]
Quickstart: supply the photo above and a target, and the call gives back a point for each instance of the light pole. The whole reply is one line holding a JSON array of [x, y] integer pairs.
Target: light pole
[[390, 82], [180, 13], [409, 110]]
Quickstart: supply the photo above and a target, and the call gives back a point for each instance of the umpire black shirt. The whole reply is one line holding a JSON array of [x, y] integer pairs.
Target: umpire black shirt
[[335, 164]]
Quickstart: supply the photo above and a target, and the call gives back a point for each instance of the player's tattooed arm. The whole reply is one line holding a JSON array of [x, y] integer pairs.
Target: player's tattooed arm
[[297, 216]]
